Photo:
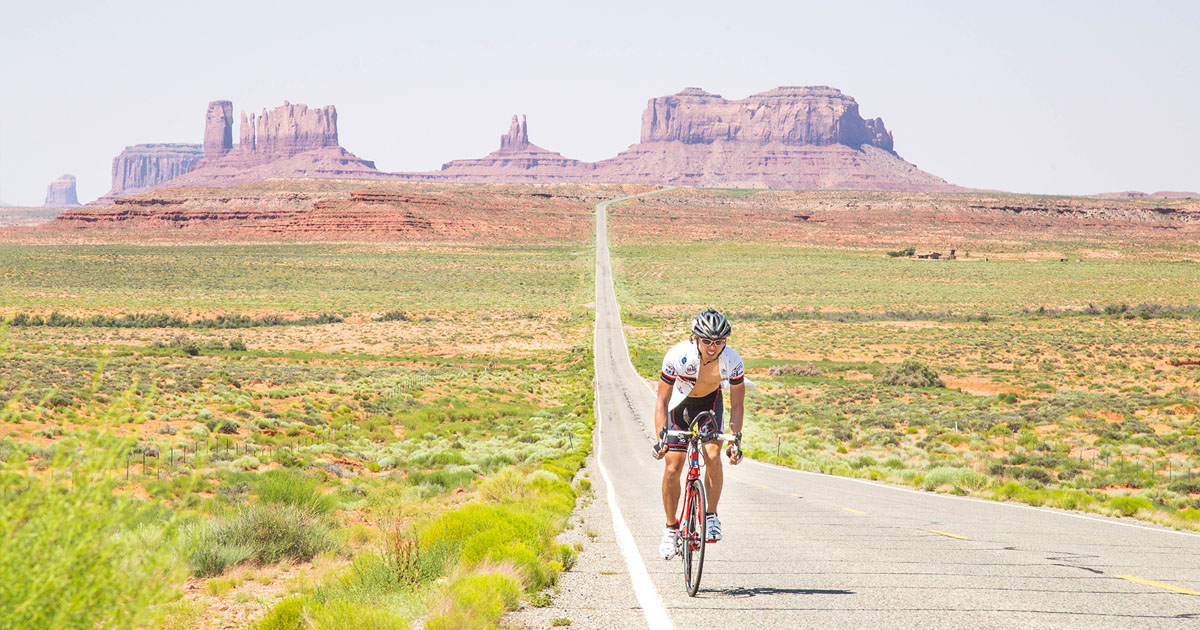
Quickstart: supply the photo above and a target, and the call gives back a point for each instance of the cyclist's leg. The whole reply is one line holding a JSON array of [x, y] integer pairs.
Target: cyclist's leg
[[714, 476], [675, 460], [670, 484]]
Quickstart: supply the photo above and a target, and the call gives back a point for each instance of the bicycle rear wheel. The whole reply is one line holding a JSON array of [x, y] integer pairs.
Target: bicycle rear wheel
[[693, 537]]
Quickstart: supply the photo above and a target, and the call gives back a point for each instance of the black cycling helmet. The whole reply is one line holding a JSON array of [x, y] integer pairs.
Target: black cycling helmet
[[711, 325]]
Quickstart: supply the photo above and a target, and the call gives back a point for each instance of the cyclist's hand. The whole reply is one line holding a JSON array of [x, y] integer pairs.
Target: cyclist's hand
[[660, 449], [734, 451]]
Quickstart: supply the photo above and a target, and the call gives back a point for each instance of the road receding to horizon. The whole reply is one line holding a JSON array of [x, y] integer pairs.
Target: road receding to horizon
[[806, 550]]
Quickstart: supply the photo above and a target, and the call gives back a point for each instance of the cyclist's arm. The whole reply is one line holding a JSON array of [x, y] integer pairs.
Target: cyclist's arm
[[660, 406], [737, 406]]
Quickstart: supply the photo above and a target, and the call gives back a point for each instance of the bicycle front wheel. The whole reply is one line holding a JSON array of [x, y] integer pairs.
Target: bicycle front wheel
[[694, 534]]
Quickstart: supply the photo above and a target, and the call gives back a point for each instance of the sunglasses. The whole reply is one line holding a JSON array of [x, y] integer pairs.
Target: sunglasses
[[712, 342]]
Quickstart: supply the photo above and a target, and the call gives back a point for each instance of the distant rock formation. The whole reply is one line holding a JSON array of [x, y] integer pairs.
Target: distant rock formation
[[61, 193], [287, 141], [246, 136], [1137, 194], [144, 166], [291, 129], [816, 115], [218, 129], [788, 137], [803, 137], [517, 159], [517, 137]]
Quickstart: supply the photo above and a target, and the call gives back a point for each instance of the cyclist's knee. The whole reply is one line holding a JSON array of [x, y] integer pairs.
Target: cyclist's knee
[[674, 468]]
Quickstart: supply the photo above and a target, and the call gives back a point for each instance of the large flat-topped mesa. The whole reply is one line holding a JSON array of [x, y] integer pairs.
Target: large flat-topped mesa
[[790, 137], [796, 115], [141, 167]]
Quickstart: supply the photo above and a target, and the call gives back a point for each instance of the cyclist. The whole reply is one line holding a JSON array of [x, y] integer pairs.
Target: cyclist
[[693, 373]]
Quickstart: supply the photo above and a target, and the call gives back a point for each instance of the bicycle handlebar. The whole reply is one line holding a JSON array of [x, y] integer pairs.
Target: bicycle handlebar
[[657, 450], [720, 436]]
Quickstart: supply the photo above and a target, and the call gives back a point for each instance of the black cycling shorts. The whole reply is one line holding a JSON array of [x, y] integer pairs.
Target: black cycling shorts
[[712, 402]]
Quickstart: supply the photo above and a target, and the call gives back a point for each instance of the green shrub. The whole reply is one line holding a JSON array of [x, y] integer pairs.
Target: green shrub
[[352, 615], [1185, 486], [287, 614], [75, 556], [443, 480], [395, 315], [911, 373], [288, 487], [264, 534], [517, 532], [962, 479], [477, 601], [1032, 473], [1130, 505], [1017, 492]]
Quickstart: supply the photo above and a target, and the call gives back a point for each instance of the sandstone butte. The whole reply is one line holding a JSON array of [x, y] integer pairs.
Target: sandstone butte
[[142, 167], [61, 193], [809, 137]]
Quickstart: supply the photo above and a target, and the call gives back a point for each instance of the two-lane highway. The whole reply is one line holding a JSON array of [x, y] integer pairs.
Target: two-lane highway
[[809, 550]]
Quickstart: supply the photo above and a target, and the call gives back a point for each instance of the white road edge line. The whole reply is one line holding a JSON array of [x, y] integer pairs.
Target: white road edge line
[[643, 588], [1018, 506]]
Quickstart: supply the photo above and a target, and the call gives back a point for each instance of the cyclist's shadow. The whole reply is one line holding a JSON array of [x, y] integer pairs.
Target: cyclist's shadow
[[755, 591]]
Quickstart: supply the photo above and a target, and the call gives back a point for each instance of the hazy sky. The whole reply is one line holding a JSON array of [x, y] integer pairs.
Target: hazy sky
[[1046, 97]]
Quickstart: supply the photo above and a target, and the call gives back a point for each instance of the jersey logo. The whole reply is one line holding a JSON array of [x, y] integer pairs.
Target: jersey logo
[[690, 369], [683, 360]]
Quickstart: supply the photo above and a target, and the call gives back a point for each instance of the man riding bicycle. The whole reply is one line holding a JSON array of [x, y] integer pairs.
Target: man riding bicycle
[[693, 373]]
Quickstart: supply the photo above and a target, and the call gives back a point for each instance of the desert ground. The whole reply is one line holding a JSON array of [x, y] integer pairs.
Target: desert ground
[[368, 403]]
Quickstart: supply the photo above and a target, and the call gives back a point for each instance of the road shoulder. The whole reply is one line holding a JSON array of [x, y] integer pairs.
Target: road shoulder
[[597, 592]]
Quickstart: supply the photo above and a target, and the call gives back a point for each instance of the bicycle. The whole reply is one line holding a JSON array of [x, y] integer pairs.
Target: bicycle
[[692, 536]]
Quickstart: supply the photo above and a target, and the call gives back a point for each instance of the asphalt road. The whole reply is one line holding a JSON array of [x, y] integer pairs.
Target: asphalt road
[[810, 550]]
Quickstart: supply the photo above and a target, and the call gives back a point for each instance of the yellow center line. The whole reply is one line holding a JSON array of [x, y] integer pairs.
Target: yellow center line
[[854, 510], [1169, 587], [938, 531], [764, 487]]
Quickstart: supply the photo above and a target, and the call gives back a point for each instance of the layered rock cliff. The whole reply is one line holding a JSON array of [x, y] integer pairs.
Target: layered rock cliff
[[144, 166], [61, 193]]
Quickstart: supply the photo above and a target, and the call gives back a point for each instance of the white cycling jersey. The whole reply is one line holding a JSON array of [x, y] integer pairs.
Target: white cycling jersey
[[682, 363]]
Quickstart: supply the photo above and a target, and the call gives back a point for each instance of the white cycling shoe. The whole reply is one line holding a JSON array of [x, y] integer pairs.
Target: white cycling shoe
[[713, 528], [669, 545]]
